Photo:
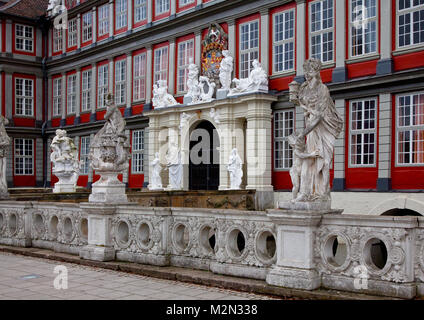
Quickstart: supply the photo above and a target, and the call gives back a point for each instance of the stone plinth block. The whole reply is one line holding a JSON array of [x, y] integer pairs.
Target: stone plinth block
[[97, 253], [305, 206], [64, 187], [4, 196], [294, 278], [222, 93], [108, 189], [187, 100]]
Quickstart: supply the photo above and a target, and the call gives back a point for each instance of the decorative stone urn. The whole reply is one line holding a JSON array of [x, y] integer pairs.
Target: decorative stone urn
[[109, 155]]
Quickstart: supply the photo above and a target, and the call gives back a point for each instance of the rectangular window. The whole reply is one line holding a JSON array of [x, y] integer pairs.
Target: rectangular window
[[410, 129], [24, 38], [120, 81], [185, 2], [137, 160], [410, 19], [87, 27], [161, 6], [102, 85], [249, 46], [24, 97], [72, 33], [363, 26], [120, 14], [24, 156], [321, 21], [140, 10], [72, 94], [283, 41], [283, 127], [363, 132], [86, 90], [185, 52], [85, 151], [57, 97], [160, 70], [57, 39], [139, 73], [103, 20]]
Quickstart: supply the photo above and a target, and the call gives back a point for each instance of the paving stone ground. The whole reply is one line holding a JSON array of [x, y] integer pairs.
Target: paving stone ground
[[28, 278]]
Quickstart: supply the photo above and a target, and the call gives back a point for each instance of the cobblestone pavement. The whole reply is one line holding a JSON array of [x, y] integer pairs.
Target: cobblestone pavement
[[28, 278]]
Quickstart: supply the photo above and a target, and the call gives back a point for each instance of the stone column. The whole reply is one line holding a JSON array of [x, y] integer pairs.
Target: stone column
[[128, 109], [226, 145], [111, 20], [78, 90], [339, 151], [384, 142], [93, 92], [385, 65], [171, 67], [79, 27], [149, 78], [340, 72], [64, 100], [265, 40], [300, 39], [198, 48], [154, 143], [94, 26], [295, 267], [173, 138], [130, 14]]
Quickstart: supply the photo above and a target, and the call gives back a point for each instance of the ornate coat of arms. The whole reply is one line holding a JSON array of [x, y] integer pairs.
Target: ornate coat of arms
[[215, 41]]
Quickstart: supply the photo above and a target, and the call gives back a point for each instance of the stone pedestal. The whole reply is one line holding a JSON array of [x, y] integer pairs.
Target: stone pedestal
[[222, 93], [295, 267], [305, 206], [66, 183], [187, 100], [108, 189]]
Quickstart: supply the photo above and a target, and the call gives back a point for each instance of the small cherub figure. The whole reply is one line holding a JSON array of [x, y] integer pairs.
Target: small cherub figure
[[298, 144]]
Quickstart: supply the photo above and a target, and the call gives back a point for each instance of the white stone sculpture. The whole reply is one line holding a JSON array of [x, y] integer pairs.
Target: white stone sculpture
[[175, 167], [225, 70], [155, 179], [4, 144], [66, 166], [235, 168], [193, 88], [204, 82], [109, 155], [313, 158], [257, 81], [184, 119], [161, 97], [215, 115]]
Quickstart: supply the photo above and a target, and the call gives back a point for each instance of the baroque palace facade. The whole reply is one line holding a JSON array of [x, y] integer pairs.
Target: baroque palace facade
[[57, 78]]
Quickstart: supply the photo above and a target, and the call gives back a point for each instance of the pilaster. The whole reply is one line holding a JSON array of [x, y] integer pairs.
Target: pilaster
[[128, 110], [171, 67], [111, 20], [300, 38], [339, 151], [93, 92], [385, 65], [340, 72], [265, 40], [149, 75], [94, 26], [384, 142], [198, 48], [79, 31], [78, 102], [64, 100]]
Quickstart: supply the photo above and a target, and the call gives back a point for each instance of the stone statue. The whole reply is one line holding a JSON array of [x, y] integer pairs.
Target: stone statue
[[257, 81], [193, 88], [204, 82], [215, 115], [323, 125], [109, 155], [225, 70], [4, 144], [184, 118], [66, 166], [235, 168], [155, 179], [175, 167], [161, 97]]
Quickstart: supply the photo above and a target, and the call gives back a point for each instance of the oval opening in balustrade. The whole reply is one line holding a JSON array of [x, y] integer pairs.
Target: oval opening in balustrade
[[84, 228], [143, 234], [123, 233], [39, 224], [68, 228], [375, 252], [266, 246], [335, 251], [54, 221], [13, 223], [236, 243], [208, 238], [181, 236], [1, 222]]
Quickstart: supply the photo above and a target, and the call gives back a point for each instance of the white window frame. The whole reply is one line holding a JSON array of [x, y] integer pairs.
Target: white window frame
[[86, 83], [71, 92], [140, 10], [322, 31], [27, 158], [290, 40], [160, 59], [139, 77], [26, 40], [102, 85], [162, 6], [84, 152], [253, 51], [103, 20], [183, 3], [405, 128], [120, 81], [121, 14], [368, 21], [186, 47], [363, 132], [87, 27], [72, 33], [57, 96], [287, 162], [23, 97], [409, 11], [137, 152], [57, 40]]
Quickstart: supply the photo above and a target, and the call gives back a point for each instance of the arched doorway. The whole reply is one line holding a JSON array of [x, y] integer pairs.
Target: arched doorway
[[204, 157]]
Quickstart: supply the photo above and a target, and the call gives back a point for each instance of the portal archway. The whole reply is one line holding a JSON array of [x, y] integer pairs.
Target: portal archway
[[204, 157]]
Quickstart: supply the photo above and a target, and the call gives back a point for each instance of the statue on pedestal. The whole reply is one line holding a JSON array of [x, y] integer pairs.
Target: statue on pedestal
[[161, 97], [225, 70], [66, 166], [193, 88], [155, 179], [235, 168], [4, 144], [323, 125], [204, 82], [175, 167], [109, 155], [257, 81]]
